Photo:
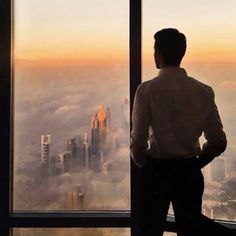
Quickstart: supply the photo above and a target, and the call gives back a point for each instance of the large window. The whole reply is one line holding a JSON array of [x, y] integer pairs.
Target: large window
[[71, 120], [210, 58], [68, 74]]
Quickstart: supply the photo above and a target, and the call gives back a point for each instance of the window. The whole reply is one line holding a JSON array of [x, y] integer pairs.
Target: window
[[71, 105], [95, 218], [210, 58]]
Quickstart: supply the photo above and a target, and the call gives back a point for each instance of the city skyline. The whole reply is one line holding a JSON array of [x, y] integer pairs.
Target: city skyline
[[67, 169]]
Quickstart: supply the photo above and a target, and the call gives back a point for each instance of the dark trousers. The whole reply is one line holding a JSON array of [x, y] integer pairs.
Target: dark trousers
[[181, 182]]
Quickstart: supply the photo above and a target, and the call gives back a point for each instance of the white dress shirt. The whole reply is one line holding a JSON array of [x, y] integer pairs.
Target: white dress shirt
[[170, 113]]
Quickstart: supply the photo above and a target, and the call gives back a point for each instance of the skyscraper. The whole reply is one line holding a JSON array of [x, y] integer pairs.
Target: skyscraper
[[86, 153], [102, 124], [108, 118], [45, 147], [99, 137], [95, 135], [71, 146], [65, 159], [75, 199]]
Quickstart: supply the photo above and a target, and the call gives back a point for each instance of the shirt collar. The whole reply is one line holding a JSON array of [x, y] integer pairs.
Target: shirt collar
[[172, 71]]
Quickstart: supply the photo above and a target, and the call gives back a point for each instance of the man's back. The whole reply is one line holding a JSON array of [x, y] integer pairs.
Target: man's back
[[171, 112], [177, 109]]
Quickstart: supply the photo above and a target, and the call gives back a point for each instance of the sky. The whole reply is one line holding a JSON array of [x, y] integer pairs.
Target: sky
[[99, 28], [208, 25], [71, 30]]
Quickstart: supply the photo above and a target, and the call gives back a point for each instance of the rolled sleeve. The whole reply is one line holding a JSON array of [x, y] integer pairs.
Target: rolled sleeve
[[214, 134]]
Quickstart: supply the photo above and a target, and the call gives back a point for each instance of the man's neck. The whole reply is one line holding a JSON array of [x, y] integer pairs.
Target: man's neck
[[169, 66]]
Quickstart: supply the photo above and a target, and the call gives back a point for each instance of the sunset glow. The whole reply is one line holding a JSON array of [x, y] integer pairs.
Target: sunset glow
[[209, 28], [79, 30]]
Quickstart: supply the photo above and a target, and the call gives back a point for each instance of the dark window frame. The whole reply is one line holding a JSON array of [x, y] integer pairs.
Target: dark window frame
[[83, 219]]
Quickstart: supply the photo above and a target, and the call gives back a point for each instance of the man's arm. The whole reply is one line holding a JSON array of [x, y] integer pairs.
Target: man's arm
[[213, 132], [140, 125]]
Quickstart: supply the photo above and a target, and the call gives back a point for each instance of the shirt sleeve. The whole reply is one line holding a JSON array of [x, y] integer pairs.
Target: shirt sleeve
[[214, 134], [141, 118]]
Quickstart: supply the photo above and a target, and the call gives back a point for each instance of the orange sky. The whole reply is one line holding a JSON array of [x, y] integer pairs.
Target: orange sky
[[97, 30]]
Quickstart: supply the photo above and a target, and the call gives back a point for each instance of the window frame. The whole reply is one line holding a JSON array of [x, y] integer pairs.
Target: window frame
[[78, 219]]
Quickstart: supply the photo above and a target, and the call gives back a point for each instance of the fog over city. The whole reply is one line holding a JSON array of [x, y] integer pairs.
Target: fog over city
[[61, 102]]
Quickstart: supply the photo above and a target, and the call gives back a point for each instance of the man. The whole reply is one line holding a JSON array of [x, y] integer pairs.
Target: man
[[170, 113]]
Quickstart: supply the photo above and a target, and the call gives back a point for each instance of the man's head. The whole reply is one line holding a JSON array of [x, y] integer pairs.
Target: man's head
[[170, 47]]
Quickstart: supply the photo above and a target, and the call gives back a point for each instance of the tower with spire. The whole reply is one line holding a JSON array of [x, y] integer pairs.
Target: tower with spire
[[102, 124]]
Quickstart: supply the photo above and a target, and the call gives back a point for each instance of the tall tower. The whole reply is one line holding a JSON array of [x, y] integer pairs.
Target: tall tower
[[65, 159], [71, 146], [95, 135], [86, 152], [102, 120], [45, 147], [108, 118], [75, 199]]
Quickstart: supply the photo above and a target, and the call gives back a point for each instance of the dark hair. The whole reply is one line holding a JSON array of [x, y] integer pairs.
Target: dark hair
[[171, 44]]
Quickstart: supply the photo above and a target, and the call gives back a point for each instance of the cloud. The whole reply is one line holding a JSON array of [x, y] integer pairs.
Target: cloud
[[228, 84], [65, 110]]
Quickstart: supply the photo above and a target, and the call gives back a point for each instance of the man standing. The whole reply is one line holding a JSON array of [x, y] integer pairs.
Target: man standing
[[170, 113]]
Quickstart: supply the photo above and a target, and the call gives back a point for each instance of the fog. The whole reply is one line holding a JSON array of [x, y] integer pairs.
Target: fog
[[61, 102]]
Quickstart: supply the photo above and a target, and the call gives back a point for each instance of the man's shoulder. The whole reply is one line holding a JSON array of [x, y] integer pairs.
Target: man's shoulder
[[156, 83], [202, 86], [145, 86]]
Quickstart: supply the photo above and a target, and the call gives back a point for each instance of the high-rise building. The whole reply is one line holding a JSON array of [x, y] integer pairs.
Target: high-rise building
[[71, 146], [101, 161], [108, 112], [65, 159], [75, 199], [95, 135], [99, 137], [45, 147], [102, 124], [93, 163], [86, 153], [58, 166]]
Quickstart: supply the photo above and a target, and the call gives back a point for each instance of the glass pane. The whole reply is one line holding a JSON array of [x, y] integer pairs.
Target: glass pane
[[71, 124], [210, 28], [71, 232]]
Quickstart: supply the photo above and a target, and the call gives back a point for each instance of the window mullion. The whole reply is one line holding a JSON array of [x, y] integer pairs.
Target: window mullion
[[71, 219], [135, 80], [5, 95]]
